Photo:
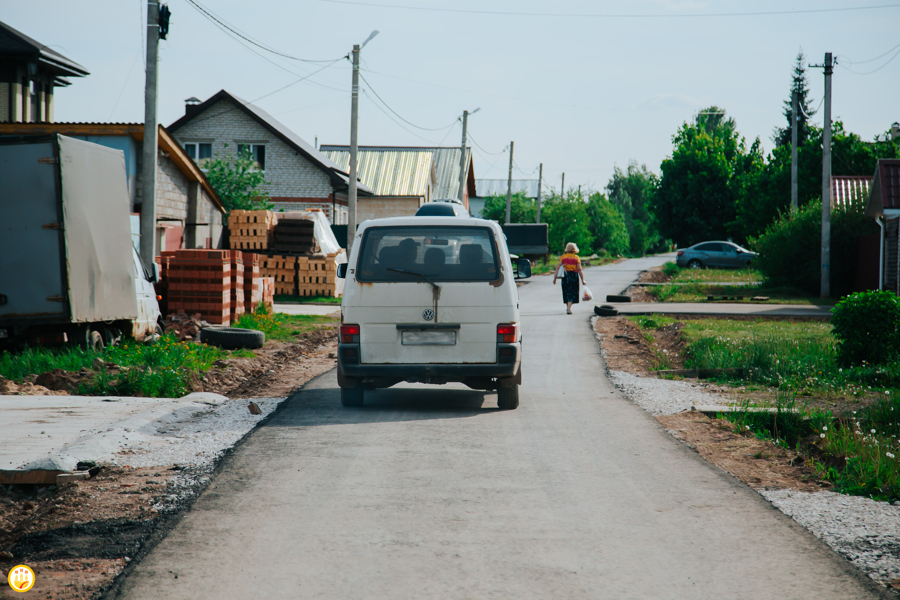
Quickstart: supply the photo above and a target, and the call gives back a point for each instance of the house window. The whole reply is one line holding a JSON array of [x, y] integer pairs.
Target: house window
[[201, 153], [257, 152]]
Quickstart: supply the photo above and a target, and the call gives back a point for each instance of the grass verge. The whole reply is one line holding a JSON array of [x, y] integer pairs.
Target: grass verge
[[307, 299], [282, 327]]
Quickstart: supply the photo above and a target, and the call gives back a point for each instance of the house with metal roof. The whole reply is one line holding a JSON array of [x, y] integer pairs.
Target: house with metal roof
[[848, 189], [884, 206], [298, 177], [29, 72], [189, 214], [405, 177]]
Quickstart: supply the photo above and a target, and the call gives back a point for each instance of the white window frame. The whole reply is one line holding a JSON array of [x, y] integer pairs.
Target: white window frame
[[201, 162], [253, 150]]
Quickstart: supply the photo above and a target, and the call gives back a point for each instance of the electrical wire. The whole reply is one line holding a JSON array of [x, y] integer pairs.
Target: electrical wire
[[371, 89], [396, 122], [222, 24], [876, 69], [862, 62], [608, 15], [472, 139]]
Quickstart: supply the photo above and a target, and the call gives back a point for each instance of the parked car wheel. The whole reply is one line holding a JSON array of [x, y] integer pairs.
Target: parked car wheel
[[233, 338], [695, 264], [353, 396], [508, 398]]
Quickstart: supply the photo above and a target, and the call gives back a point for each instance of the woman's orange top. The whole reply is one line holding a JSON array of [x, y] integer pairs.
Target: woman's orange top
[[570, 261]]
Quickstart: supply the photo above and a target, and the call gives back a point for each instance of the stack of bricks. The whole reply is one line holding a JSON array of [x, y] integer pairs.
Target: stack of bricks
[[285, 275], [267, 287], [237, 284], [200, 282], [252, 282], [251, 229], [162, 286], [317, 275]]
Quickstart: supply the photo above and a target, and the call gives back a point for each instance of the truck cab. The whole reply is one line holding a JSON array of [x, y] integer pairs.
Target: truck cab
[[430, 300]]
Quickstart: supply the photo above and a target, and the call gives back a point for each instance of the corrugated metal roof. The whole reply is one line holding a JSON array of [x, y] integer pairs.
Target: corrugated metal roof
[[847, 189], [885, 187], [495, 187], [389, 172], [445, 162]]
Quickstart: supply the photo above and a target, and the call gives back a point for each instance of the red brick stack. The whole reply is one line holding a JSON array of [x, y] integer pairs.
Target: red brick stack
[[237, 284], [268, 291], [252, 284], [200, 281], [162, 286]]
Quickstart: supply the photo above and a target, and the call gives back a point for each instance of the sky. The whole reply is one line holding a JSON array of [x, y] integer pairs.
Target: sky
[[580, 86]]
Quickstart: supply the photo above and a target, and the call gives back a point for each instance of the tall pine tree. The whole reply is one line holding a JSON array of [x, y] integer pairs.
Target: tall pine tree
[[782, 136]]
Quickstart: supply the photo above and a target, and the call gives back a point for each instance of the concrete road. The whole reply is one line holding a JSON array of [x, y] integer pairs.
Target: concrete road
[[431, 492]]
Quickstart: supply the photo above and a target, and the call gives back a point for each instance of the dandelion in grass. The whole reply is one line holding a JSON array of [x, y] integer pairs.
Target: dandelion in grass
[[822, 435], [873, 432]]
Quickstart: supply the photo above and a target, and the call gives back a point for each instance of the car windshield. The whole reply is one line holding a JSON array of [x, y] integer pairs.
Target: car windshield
[[440, 253]]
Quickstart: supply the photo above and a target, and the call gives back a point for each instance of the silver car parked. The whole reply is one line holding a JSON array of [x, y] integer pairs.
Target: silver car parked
[[715, 254]]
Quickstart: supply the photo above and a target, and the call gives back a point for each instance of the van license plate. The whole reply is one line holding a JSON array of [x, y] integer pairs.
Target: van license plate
[[428, 338]]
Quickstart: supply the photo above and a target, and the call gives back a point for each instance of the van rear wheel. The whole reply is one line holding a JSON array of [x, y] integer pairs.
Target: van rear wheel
[[508, 398], [352, 396]]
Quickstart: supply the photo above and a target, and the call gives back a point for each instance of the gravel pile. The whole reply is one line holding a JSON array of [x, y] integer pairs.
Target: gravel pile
[[862, 530], [662, 396]]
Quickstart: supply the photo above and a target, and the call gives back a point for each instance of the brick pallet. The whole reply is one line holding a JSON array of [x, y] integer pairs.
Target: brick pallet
[[237, 303], [252, 283], [251, 229], [294, 236], [200, 281]]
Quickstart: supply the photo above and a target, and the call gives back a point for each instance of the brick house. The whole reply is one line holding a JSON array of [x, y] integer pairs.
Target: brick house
[[189, 214], [298, 176], [403, 178], [29, 72], [884, 205]]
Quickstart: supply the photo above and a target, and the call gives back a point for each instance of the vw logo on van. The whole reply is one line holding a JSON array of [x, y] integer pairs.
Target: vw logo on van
[[428, 314]]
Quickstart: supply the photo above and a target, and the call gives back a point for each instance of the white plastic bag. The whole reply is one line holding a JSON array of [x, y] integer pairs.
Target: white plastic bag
[[587, 295], [561, 273]]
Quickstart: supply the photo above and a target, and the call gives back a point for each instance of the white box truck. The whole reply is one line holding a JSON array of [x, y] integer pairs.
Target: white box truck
[[68, 269]]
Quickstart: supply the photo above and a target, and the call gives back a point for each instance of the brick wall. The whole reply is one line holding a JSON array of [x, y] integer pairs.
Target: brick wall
[[288, 174], [381, 207], [171, 191]]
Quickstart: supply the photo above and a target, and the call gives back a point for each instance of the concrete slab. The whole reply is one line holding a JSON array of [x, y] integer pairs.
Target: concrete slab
[[307, 309]]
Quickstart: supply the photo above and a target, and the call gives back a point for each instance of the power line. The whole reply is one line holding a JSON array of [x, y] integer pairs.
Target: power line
[[876, 69], [610, 15], [391, 117], [472, 139], [222, 24], [371, 89], [862, 62]]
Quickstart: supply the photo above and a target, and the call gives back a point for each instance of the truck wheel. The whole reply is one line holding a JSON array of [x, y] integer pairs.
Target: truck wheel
[[233, 338], [508, 398], [353, 396]]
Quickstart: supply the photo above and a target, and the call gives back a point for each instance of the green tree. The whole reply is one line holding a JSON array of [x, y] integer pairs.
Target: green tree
[[700, 182], [238, 182], [631, 191], [568, 221], [607, 225], [799, 83], [521, 209]]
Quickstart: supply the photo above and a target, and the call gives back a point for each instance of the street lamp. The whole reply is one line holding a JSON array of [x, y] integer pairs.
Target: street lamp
[[354, 146], [462, 154]]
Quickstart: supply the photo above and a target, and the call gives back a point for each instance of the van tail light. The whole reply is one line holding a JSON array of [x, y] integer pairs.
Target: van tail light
[[349, 334], [680, 252], [506, 332]]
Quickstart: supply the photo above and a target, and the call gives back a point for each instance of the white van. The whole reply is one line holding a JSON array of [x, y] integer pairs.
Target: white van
[[430, 300]]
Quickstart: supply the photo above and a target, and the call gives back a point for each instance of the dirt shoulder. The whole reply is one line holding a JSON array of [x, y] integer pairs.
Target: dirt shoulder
[[78, 538]]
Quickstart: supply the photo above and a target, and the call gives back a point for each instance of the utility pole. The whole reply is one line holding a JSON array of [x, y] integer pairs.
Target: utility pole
[[462, 156], [354, 148], [150, 150], [540, 178], [826, 183], [795, 119], [509, 185], [562, 188]]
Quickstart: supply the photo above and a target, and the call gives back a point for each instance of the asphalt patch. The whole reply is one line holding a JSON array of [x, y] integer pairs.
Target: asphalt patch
[[116, 538]]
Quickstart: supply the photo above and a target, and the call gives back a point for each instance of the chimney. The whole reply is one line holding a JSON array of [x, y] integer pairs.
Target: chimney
[[191, 106]]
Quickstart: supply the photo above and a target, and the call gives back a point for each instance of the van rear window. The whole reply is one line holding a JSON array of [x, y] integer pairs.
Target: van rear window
[[407, 253]]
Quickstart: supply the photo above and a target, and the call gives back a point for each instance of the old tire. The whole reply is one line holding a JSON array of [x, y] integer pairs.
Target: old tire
[[233, 338], [605, 311], [508, 397], [618, 298], [353, 396], [694, 264]]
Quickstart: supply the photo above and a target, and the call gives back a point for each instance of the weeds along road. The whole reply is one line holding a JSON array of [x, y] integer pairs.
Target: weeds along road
[[431, 492]]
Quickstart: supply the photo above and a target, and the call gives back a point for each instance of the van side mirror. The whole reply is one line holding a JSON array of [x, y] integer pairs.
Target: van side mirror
[[154, 274], [342, 270], [523, 268]]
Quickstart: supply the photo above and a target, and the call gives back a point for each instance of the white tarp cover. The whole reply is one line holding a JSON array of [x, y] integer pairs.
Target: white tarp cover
[[328, 244], [97, 232]]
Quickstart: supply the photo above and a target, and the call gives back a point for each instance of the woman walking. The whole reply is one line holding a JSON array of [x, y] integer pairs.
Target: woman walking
[[572, 265]]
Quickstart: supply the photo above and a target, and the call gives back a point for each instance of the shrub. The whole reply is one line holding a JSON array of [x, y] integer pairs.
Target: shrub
[[671, 269], [867, 328], [790, 249]]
